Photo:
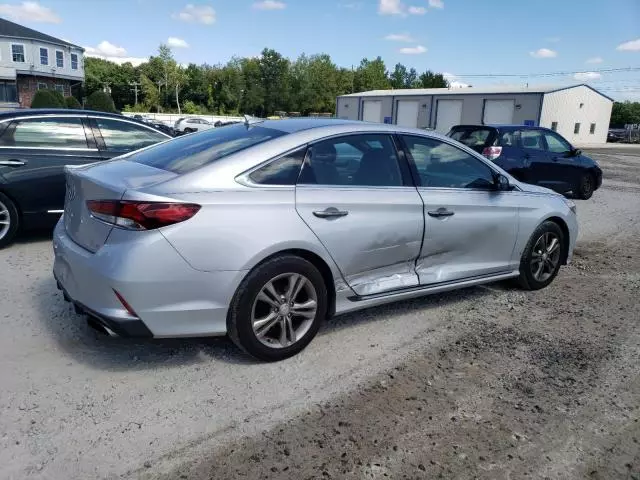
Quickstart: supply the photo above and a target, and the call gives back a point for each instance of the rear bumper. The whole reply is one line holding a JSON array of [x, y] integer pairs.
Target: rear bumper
[[169, 297]]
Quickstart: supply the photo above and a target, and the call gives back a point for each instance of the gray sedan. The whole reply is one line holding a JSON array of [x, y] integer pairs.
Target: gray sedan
[[262, 230]]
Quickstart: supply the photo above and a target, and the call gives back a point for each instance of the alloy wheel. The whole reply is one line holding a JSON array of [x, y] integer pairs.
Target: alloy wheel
[[545, 256], [5, 220], [284, 310]]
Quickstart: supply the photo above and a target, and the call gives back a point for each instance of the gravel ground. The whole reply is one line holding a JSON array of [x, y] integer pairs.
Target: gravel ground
[[489, 382]]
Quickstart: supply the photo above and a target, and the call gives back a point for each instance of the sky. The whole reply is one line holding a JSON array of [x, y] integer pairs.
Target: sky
[[457, 37]]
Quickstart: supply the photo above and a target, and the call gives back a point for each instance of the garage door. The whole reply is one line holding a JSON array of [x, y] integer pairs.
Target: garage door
[[407, 115], [449, 113], [372, 111], [498, 111]]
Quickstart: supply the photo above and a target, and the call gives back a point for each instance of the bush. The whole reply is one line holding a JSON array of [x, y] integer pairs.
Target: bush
[[190, 107], [60, 97], [100, 101], [72, 102], [46, 99]]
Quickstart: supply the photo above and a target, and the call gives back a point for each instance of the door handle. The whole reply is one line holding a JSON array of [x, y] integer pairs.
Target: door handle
[[12, 163], [331, 212], [441, 212]]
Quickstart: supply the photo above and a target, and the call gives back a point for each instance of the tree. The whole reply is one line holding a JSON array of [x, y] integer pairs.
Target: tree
[[72, 102], [100, 101], [432, 80], [274, 75], [371, 75], [398, 78], [46, 99], [151, 94], [624, 113]]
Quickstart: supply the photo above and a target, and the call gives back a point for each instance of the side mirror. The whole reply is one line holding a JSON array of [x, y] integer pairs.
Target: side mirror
[[502, 183], [574, 152]]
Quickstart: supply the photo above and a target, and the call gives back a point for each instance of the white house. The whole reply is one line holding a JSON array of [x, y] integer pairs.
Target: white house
[[31, 60]]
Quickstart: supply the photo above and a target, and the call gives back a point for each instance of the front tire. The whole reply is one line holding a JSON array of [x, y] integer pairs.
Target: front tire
[[9, 220], [278, 308], [542, 257], [586, 186]]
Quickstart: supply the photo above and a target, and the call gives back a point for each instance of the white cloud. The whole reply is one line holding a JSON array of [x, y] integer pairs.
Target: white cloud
[[29, 12], [175, 42], [453, 82], [196, 14], [269, 5], [586, 76], [391, 7], [417, 50], [417, 10], [436, 3], [108, 51], [630, 46], [544, 53], [399, 37], [594, 60]]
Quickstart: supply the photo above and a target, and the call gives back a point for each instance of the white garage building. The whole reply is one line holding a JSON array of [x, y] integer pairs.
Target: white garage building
[[579, 113]]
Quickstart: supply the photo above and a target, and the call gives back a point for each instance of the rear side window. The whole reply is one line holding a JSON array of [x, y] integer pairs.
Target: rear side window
[[184, 154], [472, 137], [45, 133], [532, 139], [125, 136], [282, 171]]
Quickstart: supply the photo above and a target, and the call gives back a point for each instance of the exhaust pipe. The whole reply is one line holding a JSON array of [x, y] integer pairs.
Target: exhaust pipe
[[99, 327]]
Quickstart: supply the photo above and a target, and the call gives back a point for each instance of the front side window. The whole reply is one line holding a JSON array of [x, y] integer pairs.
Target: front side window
[[531, 139], [44, 56], [59, 59], [441, 165], [122, 136], [17, 53], [556, 144], [45, 133], [184, 154], [282, 171], [354, 160], [74, 61]]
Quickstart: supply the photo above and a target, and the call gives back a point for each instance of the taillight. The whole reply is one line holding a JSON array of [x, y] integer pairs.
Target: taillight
[[134, 215], [492, 152]]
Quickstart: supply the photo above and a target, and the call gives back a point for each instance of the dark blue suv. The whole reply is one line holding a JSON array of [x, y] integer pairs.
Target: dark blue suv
[[533, 155]]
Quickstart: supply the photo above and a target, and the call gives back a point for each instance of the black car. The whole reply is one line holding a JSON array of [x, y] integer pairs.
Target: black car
[[533, 155], [36, 144]]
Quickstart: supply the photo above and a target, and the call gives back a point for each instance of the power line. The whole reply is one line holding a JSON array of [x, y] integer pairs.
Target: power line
[[547, 74]]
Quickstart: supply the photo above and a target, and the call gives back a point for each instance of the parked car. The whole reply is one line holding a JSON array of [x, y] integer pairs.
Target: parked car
[[261, 230], [615, 135], [534, 155], [36, 144], [163, 127], [190, 125]]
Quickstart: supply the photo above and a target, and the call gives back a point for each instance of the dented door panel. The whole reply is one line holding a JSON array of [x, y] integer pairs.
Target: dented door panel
[[377, 242], [477, 239]]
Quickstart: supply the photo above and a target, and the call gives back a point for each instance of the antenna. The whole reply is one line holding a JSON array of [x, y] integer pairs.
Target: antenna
[[249, 120]]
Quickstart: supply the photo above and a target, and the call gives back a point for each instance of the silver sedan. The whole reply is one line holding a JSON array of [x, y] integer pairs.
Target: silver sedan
[[263, 229]]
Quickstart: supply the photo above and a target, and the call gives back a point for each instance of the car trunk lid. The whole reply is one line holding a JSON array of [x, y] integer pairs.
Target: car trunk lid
[[107, 181]]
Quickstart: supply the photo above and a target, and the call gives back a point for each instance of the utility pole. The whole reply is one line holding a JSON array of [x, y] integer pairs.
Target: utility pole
[[135, 86]]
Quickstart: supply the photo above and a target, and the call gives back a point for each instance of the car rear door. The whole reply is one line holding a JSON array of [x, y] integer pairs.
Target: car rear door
[[33, 153], [355, 193], [535, 159], [470, 227], [563, 166], [116, 136]]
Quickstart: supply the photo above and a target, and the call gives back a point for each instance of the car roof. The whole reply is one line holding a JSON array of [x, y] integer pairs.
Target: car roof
[[28, 112], [501, 126]]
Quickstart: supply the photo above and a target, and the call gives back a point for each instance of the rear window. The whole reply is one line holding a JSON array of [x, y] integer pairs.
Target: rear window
[[184, 154], [472, 137]]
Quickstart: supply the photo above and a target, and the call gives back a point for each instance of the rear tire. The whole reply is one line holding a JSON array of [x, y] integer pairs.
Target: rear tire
[[586, 186], [9, 221], [542, 257], [278, 308]]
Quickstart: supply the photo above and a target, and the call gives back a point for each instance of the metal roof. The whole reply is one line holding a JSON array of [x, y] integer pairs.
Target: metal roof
[[13, 30], [535, 89]]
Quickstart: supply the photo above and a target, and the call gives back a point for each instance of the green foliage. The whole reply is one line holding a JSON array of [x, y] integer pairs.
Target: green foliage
[[46, 99], [100, 101], [72, 102], [192, 108], [59, 97], [257, 85], [624, 113]]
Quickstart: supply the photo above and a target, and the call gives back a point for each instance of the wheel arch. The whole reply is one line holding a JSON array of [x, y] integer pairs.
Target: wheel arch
[[566, 240], [15, 203]]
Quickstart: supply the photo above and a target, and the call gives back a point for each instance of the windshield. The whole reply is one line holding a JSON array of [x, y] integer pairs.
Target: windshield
[[193, 151]]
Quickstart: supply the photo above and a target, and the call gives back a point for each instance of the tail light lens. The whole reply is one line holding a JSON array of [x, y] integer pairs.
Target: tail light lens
[[492, 152], [141, 215]]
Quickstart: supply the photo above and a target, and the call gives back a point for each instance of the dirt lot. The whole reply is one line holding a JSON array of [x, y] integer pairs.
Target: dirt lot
[[489, 382]]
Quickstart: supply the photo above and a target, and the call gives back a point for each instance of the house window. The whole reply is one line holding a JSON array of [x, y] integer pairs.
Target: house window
[[74, 61], [42, 86], [592, 128], [576, 129], [44, 56], [554, 126], [17, 52], [60, 88], [59, 58], [8, 92]]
